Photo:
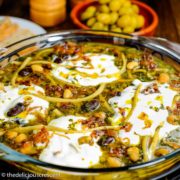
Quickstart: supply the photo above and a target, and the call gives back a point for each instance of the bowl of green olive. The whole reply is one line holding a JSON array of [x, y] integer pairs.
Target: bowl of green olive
[[123, 16]]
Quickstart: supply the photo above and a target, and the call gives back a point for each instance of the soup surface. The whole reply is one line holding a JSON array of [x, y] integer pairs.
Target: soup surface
[[90, 105]]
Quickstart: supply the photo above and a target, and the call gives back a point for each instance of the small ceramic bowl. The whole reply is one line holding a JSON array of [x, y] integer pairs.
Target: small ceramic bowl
[[151, 18]]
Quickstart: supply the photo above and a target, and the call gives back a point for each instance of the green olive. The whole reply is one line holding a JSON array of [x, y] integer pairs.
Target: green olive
[[84, 16], [124, 21], [97, 13], [104, 1], [91, 9], [134, 21], [127, 3], [140, 21], [114, 17], [128, 29], [113, 26], [115, 5], [135, 8], [106, 28], [88, 13], [98, 26], [91, 21], [117, 29], [126, 10], [122, 1], [104, 18], [104, 8]]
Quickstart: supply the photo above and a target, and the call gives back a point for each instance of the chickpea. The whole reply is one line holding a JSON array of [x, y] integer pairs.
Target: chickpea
[[129, 29], [171, 120], [56, 112], [37, 68], [1, 86], [161, 152], [133, 153], [1, 72], [132, 65], [100, 115], [20, 138], [28, 148], [163, 78], [11, 134], [86, 140], [2, 133], [111, 132], [114, 162], [67, 94]]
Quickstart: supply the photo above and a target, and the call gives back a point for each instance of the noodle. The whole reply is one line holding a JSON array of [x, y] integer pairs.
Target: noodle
[[161, 70], [62, 135], [23, 65], [56, 99], [106, 104], [125, 80], [175, 100], [31, 63], [145, 144], [50, 79], [139, 70], [68, 83], [134, 102], [154, 142], [58, 129], [130, 76], [123, 69], [27, 128], [15, 62], [40, 62], [43, 52]]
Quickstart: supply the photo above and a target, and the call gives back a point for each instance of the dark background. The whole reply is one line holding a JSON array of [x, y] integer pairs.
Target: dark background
[[167, 10]]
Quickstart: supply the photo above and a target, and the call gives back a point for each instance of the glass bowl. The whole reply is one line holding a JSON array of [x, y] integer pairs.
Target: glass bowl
[[154, 168]]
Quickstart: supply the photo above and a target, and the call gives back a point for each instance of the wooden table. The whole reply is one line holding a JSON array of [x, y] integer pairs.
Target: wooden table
[[167, 10], [169, 28]]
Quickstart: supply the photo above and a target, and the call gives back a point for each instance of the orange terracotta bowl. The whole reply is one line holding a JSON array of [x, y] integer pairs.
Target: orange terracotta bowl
[[151, 18]]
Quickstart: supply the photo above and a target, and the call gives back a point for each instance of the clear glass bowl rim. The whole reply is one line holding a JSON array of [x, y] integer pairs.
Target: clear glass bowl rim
[[144, 41]]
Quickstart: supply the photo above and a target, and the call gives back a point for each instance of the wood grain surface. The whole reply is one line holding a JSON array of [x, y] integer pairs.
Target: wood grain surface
[[167, 10]]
